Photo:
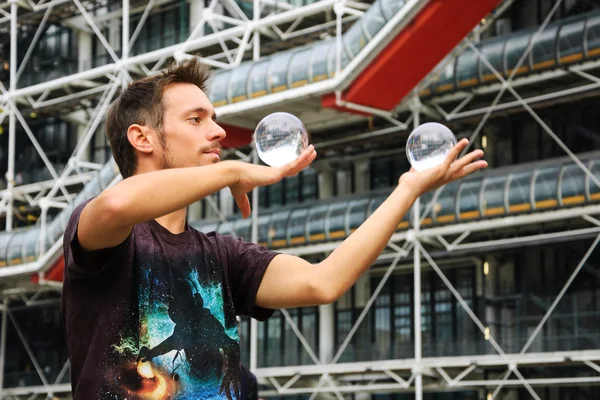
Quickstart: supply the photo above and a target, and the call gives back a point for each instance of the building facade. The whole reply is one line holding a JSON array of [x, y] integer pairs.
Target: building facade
[[489, 287]]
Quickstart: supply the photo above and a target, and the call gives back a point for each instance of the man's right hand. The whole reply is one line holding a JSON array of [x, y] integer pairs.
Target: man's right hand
[[250, 176]]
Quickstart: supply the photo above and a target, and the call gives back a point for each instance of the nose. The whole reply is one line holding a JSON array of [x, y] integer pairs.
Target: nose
[[217, 133]]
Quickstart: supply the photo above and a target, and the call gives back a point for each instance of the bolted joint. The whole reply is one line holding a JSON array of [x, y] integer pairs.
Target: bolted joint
[[44, 204], [72, 163], [338, 8], [178, 55], [414, 104], [410, 235]]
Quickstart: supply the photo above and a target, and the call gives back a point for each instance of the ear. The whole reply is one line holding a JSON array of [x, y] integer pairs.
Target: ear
[[141, 138]]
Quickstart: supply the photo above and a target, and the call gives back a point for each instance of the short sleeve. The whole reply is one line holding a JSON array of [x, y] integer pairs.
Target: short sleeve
[[248, 264], [81, 264]]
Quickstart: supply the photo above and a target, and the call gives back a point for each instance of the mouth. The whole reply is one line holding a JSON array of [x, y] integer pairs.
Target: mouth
[[215, 153]]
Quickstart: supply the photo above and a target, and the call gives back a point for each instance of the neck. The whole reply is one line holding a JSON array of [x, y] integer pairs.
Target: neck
[[174, 222]]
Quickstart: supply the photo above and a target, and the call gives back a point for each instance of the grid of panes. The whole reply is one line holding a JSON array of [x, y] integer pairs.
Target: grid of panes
[[278, 344]]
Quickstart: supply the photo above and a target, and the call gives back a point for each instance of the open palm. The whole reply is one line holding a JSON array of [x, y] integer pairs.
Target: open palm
[[450, 170]]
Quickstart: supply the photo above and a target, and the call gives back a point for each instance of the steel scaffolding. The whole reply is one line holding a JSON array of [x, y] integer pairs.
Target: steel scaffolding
[[418, 374]]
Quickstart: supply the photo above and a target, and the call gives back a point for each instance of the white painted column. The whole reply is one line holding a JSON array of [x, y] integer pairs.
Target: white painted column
[[326, 312], [362, 179], [12, 118], [196, 9], [417, 368], [362, 287], [254, 238], [84, 51]]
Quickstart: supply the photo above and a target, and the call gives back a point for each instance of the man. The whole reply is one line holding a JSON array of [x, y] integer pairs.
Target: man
[[150, 303]]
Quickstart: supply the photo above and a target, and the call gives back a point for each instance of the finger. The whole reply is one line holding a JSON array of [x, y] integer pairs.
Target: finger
[[301, 162], [466, 160], [243, 204], [470, 168], [455, 152]]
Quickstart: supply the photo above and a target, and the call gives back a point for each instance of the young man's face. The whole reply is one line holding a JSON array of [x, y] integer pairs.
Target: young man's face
[[190, 132]]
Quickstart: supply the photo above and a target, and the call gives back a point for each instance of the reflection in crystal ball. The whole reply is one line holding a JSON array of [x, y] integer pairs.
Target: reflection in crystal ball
[[280, 138], [428, 145]]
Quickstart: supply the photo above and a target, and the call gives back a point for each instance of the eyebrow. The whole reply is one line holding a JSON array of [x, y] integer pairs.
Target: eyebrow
[[202, 110]]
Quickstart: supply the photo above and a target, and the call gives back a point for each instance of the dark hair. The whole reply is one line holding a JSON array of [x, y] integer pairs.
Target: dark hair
[[141, 103]]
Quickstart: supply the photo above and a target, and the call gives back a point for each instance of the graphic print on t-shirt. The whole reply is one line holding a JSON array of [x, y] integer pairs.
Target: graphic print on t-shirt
[[184, 350]]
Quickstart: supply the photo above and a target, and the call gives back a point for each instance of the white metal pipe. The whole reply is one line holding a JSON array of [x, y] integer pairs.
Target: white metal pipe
[[36, 38], [32, 357], [314, 28], [82, 145], [155, 55], [462, 302], [406, 364], [125, 31], [43, 227], [254, 239], [141, 23], [560, 295], [525, 239], [399, 20], [60, 82], [99, 34], [37, 146], [417, 371], [366, 309], [338, 37], [47, 259], [40, 186], [256, 38], [300, 336], [27, 391], [457, 229], [40, 7], [399, 387], [41, 104], [10, 173]]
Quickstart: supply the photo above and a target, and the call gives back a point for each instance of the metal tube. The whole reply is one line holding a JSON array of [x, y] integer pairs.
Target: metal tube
[[141, 23], [256, 39], [254, 237], [10, 173], [99, 34], [34, 42], [194, 44], [125, 31], [417, 291], [82, 145], [28, 349]]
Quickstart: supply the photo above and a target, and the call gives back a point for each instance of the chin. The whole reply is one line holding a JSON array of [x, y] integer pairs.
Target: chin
[[208, 160]]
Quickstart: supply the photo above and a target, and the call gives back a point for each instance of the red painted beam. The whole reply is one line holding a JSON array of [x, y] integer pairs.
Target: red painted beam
[[414, 52], [236, 136], [54, 273]]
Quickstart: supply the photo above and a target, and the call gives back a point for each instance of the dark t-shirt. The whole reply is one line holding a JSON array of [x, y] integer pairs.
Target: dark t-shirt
[[155, 317]]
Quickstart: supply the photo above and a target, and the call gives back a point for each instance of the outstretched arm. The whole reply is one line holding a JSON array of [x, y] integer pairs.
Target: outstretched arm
[[293, 282], [107, 220]]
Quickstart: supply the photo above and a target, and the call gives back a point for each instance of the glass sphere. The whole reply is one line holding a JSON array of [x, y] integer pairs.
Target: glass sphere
[[280, 138], [428, 145]]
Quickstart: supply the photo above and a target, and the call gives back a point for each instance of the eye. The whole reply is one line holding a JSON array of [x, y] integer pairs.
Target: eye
[[194, 119]]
